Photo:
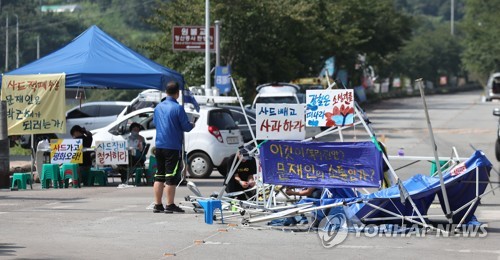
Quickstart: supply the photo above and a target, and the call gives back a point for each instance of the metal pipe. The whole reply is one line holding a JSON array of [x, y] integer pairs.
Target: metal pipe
[[420, 84]]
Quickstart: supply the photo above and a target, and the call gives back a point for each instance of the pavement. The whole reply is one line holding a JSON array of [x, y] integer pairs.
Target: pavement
[[117, 223]]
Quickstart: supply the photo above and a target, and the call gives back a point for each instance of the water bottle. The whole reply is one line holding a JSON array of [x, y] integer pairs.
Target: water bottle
[[401, 151]]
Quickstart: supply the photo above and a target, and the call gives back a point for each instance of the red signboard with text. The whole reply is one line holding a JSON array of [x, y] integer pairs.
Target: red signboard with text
[[191, 38]]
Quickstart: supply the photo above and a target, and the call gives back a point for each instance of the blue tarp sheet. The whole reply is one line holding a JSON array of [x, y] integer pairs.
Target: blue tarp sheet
[[460, 187], [95, 59]]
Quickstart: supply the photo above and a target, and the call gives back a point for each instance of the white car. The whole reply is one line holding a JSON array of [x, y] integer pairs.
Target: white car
[[282, 93], [214, 137], [93, 115], [90, 115]]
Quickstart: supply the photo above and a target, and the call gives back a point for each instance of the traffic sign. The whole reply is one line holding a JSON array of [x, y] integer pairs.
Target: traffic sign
[[191, 38]]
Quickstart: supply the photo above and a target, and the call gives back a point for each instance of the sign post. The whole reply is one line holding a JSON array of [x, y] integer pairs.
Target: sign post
[[191, 38]]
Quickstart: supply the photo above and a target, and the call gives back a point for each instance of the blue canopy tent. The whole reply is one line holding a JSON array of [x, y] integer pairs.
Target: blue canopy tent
[[95, 59]]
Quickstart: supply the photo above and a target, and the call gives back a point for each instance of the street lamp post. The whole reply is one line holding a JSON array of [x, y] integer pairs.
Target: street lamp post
[[7, 43], [17, 41]]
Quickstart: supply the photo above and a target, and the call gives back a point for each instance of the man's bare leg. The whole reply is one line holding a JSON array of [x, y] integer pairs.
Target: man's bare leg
[[170, 190], [158, 188]]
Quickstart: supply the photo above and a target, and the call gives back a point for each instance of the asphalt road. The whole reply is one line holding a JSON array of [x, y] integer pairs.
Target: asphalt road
[[114, 223]]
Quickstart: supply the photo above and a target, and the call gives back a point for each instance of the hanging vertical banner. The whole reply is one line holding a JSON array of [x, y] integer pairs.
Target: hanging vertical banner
[[329, 107], [111, 152], [66, 151], [222, 80], [280, 122], [35, 103]]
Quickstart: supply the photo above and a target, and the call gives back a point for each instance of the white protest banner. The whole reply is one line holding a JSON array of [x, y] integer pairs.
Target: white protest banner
[[66, 151], [280, 122], [111, 152], [329, 107]]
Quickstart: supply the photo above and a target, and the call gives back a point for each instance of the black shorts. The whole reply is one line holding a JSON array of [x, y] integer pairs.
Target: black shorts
[[169, 166]]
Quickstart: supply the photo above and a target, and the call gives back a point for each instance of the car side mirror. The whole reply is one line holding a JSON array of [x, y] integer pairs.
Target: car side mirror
[[121, 129], [248, 106], [496, 112]]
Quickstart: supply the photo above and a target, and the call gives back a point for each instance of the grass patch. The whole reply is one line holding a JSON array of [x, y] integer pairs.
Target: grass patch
[[18, 150]]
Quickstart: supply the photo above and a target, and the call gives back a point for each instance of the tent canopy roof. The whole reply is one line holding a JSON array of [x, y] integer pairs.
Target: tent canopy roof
[[95, 59]]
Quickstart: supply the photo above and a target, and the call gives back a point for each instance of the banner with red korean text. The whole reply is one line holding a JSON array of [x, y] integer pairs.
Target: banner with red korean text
[[111, 152], [66, 151], [280, 122], [35, 103]]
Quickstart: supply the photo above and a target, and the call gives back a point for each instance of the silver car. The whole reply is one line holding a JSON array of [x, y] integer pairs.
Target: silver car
[[493, 87]]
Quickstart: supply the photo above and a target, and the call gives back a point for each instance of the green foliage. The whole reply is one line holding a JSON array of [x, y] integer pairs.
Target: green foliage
[[279, 40], [430, 54], [482, 37]]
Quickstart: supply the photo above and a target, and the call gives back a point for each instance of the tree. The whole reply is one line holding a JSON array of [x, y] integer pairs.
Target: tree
[[279, 40], [482, 37]]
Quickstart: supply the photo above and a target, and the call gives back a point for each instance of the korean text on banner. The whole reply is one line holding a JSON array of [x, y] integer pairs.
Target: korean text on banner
[[66, 151], [111, 152], [35, 103], [321, 164], [329, 107], [280, 121]]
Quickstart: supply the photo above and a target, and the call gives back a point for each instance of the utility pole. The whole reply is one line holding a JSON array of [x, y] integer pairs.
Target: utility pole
[[452, 17], [38, 47], [17, 41], [7, 43], [207, 48], [217, 43]]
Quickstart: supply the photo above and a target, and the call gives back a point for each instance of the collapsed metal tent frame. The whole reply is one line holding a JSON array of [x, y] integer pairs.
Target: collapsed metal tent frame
[[264, 205]]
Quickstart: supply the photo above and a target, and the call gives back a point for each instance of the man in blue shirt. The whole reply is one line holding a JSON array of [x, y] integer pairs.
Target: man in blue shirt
[[171, 122]]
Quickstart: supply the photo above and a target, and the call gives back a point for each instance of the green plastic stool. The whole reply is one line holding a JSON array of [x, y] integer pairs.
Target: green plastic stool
[[97, 176], [434, 167], [23, 179], [153, 167], [50, 172], [70, 171], [139, 171]]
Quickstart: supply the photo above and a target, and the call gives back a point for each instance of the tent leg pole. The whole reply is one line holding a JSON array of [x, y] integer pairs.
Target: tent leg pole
[[434, 149]]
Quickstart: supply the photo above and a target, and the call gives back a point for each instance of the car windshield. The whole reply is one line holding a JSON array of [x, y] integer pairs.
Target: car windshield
[[276, 100], [221, 119]]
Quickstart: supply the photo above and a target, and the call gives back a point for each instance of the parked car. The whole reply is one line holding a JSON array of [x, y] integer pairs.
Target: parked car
[[278, 93], [496, 112], [90, 115], [239, 119], [214, 137], [493, 87]]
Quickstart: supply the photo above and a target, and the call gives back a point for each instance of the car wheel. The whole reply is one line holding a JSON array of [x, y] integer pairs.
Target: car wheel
[[497, 149], [199, 165]]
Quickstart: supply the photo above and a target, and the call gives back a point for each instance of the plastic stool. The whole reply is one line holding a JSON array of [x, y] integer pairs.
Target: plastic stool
[[209, 206], [23, 179], [152, 169], [50, 172], [70, 171], [138, 175], [434, 167], [97, 176]]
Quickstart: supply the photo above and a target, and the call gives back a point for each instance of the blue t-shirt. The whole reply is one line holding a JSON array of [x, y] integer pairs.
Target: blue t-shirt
[[171, 121]]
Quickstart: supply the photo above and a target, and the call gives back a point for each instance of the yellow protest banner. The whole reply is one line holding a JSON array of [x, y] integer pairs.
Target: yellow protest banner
[[35, 103]]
